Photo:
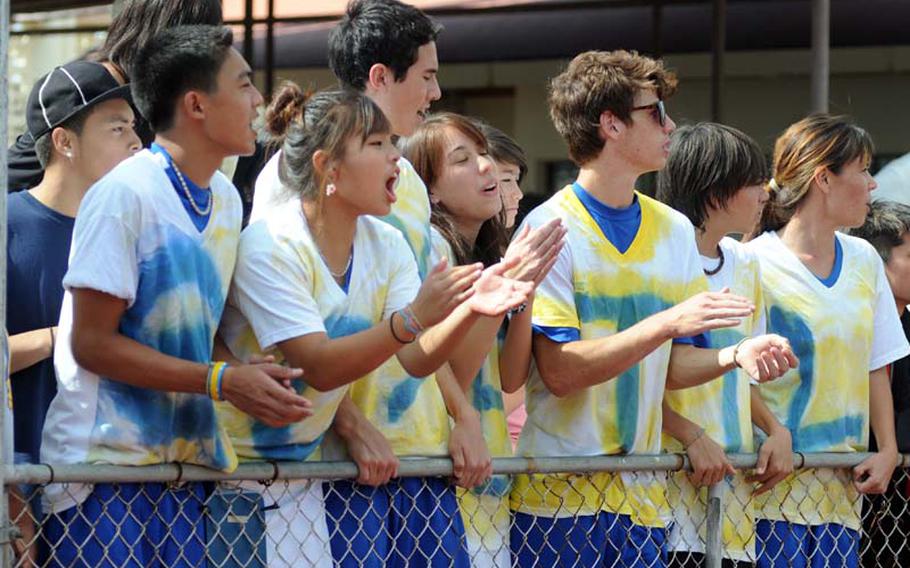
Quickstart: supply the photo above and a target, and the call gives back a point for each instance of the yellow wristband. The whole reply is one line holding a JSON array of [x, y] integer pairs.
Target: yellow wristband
[[215, 371]]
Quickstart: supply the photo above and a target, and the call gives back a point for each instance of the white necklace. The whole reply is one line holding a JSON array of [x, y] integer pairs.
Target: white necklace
[[347, 267], [189, 196]]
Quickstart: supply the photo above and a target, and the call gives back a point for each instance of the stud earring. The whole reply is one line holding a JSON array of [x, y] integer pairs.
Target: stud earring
[[330, 189]]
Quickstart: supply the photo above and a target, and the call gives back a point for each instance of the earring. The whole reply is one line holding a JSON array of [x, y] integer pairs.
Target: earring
[[329, 189]]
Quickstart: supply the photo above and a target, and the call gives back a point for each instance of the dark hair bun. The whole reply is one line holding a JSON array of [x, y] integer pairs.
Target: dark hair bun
[[287, 107]]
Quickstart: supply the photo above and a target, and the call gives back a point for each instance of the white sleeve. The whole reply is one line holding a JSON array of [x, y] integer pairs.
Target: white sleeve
[[404, 280], [888, 340], [104, 255], [272, 288]]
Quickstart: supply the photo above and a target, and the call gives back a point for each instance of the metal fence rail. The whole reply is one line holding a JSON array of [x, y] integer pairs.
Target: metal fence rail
[[577, 511]]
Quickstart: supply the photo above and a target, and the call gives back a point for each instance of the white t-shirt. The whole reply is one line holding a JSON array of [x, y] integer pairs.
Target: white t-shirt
[[283, 289], [840, 333], [134, 240]]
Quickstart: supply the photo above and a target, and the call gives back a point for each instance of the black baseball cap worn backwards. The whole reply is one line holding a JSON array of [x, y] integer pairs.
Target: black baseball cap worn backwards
[[68, 90]]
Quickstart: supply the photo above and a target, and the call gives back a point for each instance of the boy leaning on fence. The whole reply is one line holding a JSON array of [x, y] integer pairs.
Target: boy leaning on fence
[[152, 256], [626, 285], [717, 177]]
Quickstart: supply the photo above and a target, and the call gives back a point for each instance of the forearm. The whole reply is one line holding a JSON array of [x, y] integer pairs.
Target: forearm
[[349, 420], [120, 358], [678, 426], [691, 366], [436, 345], [332, 363], [31, 347], [515, 355], [761, 414], [569, 367], [469, 355], [881, 411], [456, 401]]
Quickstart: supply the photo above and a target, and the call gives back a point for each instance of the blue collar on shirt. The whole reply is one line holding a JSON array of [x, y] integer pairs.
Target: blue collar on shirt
[[619, 225], [831, 280], [200, 195]]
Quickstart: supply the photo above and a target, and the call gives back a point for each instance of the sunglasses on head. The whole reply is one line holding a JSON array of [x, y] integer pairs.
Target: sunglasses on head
[[661, 111]]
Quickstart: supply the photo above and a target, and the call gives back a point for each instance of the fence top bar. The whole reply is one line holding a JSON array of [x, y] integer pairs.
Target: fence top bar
[[409, 467]]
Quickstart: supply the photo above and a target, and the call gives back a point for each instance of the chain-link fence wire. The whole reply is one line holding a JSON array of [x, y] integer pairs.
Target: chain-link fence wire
[[604, 511]]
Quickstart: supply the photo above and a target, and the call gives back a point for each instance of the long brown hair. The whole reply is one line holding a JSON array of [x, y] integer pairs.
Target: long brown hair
[[817, 141], [425, 150]]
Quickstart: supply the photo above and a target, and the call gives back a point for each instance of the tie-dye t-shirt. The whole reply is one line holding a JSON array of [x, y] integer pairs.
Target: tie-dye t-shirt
[[409, 411], [283, 289], [722, 408], [840, 333], [485, 508], [134, 240], [599, 291]]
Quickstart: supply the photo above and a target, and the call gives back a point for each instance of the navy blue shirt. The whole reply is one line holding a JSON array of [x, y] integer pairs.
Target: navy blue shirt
[[37, 253]]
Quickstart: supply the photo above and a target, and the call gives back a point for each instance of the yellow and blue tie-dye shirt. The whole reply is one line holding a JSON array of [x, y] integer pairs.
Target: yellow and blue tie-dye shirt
[[727, 397], [409, 411], [840, 332], [485, 392], [283, 289], [723, 408], [411, 214], [134, 240], [599, 291]]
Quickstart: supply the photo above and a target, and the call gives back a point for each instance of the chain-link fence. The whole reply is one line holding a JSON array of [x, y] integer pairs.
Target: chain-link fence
[[598, 511]]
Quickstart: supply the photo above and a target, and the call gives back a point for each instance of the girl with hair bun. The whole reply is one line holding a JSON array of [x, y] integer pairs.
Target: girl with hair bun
[[827, 293], [323, 285]]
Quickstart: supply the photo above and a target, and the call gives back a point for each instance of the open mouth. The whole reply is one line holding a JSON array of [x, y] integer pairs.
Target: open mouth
[[491, 188], [390, 188]]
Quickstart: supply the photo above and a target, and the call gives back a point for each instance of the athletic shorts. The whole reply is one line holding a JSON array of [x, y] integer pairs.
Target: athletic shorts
[[605, 539], [409, 522], [779, 544], [134, 525]]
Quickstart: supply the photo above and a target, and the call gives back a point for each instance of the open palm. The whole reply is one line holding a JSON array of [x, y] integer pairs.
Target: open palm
[[494, 294]]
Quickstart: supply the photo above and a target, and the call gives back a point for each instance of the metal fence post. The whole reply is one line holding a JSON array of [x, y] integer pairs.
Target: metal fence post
[[714, 529], [5, 525]]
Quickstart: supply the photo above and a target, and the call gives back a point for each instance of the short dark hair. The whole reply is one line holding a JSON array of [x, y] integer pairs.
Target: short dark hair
[[136, 22], [885, 226], [174, 62], [503, 149], [378, 31], [708, 164], [598, 81], [44, 145]]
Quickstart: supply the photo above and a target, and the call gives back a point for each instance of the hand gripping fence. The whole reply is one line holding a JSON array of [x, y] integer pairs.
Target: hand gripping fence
[[573, 511]]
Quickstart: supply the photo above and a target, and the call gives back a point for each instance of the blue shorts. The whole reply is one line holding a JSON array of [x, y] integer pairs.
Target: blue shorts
[[605, 539], [130, 524], [785, 545], [412, 521]]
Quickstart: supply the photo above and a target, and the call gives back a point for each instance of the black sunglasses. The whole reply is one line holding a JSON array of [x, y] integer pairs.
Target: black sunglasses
[[661, 111]]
